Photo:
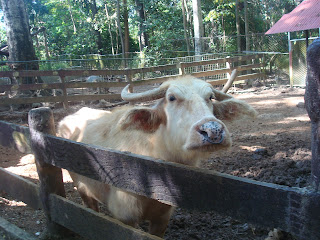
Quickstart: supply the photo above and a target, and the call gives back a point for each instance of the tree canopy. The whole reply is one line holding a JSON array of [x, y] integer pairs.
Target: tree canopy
[[80, 27]]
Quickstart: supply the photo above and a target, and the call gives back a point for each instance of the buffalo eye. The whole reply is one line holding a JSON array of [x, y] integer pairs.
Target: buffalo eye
[[172, 98], [211, 97]]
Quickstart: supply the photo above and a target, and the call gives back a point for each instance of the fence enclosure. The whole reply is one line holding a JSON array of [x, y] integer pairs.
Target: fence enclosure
[[293, 210], [216, 71]]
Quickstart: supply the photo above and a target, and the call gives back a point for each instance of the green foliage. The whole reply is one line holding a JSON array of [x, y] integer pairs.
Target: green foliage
[[71, 25]]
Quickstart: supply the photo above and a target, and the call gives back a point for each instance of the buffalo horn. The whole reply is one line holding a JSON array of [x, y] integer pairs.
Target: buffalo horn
[[221, 95], [150, 95]]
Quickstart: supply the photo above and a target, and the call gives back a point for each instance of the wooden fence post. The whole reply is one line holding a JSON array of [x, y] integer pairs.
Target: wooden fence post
[[312, 100], [180, 66], [64, 90], [41, 121], [228, 66]]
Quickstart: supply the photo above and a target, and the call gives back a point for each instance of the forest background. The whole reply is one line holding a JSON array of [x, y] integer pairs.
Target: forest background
[[156, 29]]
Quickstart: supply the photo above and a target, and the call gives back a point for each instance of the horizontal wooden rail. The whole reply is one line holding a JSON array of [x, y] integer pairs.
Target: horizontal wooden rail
[[14, 232], [75, 217], [71, 98], [90, 224], [15, 136], [293, 210], [20, 188]]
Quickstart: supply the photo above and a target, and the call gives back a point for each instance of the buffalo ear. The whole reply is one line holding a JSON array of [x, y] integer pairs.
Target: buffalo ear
[[144, 119], [233, 109]]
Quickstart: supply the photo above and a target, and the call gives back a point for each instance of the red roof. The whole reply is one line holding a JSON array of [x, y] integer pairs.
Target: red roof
[[303, 17]]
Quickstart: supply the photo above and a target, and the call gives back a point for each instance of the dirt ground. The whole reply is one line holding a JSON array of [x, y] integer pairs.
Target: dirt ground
[[274, 147]]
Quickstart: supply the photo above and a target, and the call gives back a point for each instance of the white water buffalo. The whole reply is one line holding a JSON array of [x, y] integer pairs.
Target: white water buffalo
[[184, 126]]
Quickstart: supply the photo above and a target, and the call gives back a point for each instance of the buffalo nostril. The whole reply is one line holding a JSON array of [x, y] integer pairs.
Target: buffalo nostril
[[203, 133], [212, 132]]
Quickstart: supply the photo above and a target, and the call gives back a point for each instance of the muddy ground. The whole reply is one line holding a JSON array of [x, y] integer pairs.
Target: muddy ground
[[274, 147]]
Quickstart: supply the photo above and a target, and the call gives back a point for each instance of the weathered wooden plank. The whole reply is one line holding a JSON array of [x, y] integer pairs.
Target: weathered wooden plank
[[30, 73], [93, 97], [248, 67], [90, 224], [15, 136], [13, 232], [238, 79], [20, 188], [33, 73], [70, 98], [218, 82], [95, 84], [37, 86], [28, 100], [154, 80], [250, 76], [260, 203], [151, 69]]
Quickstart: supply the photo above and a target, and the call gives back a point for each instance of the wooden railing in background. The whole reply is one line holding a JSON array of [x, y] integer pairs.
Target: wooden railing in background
[[202, 69]]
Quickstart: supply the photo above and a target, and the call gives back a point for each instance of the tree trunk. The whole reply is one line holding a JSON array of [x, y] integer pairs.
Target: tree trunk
[[120, 31], [238, 27], [246, 24], [109, 29], [19, 39], [71, 15], [126, 29], [18, 34], [185, 25], [312, 101], [197, 26], [94, 11], [46, 44], [143, 36]]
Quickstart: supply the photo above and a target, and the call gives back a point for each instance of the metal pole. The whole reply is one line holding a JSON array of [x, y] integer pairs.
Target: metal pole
[[290, 60], [307, 39]]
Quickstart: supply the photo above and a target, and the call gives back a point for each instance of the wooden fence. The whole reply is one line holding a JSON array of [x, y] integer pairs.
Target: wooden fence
[[216, 69], [293, 210]]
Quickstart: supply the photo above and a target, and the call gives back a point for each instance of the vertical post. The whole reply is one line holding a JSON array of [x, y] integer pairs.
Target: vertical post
[[312, 100], [180, 66], [64, 90], [41, 121], [264, 65], [290, 61], [307, 39], [197, 26], [228, 66], [129, 80]]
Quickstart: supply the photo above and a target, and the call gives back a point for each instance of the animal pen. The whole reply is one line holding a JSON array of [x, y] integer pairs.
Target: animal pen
[[294, 210]]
